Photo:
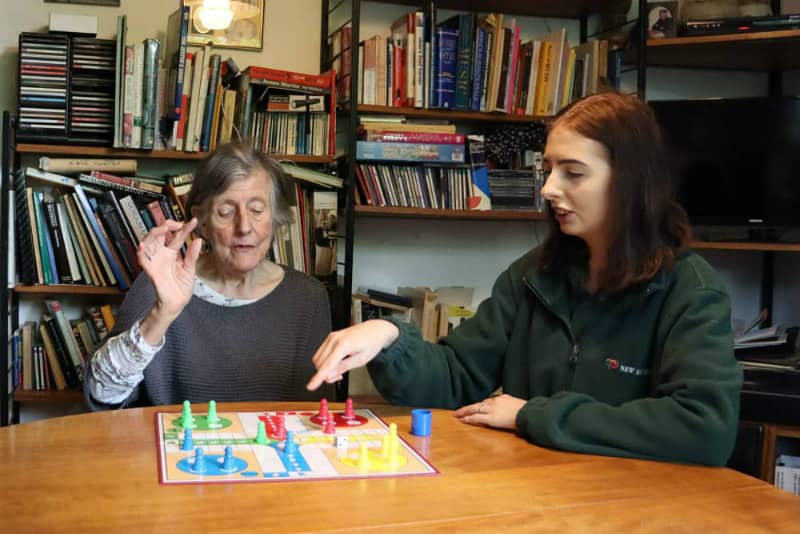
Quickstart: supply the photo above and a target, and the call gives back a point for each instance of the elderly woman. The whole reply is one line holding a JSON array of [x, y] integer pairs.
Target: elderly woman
[[227, 324]]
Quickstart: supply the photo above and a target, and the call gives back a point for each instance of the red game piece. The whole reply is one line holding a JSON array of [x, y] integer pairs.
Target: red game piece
[[323, 410], [349, 413], [280, 431], [330, 428]]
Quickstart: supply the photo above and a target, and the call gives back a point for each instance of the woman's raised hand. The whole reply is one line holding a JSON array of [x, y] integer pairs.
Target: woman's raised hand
[[172, 276], [350, 348]]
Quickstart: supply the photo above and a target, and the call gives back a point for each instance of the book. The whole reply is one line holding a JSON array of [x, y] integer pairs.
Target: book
[[100, 239], [52, 356], [77, 165], [64, 331], [432, 152], [149, 91], [91, 239]]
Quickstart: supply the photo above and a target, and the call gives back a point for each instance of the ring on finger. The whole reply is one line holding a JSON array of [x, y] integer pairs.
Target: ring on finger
[[482, 408]]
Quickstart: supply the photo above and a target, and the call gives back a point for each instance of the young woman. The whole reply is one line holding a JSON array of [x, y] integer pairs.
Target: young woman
[[225, 325], [610, 338]]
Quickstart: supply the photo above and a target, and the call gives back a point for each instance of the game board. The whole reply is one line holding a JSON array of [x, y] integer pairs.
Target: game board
[[281, 446]]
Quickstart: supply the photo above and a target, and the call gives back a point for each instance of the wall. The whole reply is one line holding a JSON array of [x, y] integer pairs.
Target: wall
[[291, 32]]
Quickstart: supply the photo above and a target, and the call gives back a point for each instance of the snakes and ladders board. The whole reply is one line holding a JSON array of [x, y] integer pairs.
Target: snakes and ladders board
[[232, 447]]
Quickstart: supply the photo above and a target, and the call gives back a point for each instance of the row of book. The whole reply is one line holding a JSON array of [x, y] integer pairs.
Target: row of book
[[284, 112], [51, 354], [420, 186], [472, 63], [84, 230], [179, 103]]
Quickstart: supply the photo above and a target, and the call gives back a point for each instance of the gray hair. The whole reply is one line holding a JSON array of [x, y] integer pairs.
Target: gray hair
[[232, 162]]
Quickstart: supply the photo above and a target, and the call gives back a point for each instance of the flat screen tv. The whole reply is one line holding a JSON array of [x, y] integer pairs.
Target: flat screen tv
[[738, 160]]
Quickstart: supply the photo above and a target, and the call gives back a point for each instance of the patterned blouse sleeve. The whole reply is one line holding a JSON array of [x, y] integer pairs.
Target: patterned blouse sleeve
[[118, 366]]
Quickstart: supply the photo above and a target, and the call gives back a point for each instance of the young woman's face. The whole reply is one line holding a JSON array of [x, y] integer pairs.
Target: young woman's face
[[239, 224], [578, 185]]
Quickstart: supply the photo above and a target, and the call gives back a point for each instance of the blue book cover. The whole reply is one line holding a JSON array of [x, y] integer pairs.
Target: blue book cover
[[434, 152], [100, 235], [445, 80], [477, 68]]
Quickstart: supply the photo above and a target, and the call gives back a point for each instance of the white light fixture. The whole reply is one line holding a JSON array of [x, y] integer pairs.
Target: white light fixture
[[214, 15]]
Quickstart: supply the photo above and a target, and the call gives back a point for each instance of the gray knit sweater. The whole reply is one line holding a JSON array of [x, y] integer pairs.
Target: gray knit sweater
[[256, 352]]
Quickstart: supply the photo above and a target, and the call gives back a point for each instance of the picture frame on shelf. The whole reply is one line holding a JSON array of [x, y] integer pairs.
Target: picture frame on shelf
[[246, 31], [662, 19]]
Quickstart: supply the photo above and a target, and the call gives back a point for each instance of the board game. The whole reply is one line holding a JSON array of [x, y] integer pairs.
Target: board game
[[227, 447]]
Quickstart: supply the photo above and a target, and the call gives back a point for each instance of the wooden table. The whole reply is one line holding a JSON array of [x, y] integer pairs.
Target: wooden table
[[97, 472]]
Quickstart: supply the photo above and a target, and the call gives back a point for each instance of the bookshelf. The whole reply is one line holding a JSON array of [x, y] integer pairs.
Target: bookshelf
[[423, 213], [773, 53], [21, 301], [338, 15], [107, 152], [447, 114]]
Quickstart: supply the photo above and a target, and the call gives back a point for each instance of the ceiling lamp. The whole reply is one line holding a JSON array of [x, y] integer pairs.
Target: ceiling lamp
[[213, 15]]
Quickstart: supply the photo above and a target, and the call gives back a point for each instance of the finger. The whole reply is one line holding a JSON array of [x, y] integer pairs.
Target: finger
[[180, 235], [468, 410], [475, 419], [157, 236], [334, 364], [192, 253], [322, 352]]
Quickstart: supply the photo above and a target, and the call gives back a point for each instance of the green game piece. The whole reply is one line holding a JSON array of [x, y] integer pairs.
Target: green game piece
[[261, 435], [186, 416], [212, 418]]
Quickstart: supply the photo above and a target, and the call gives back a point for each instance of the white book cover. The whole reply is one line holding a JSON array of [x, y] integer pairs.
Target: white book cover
[[201, 99], [194, 101], [137, 225], [531, 96]]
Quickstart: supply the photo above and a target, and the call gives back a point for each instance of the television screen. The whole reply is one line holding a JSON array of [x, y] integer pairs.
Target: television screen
[[738, 160]]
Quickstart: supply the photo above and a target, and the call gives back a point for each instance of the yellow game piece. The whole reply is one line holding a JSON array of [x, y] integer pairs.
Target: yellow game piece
[[363, 457]]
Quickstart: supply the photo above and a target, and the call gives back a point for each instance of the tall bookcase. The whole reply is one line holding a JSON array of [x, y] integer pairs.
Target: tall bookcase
[[769, 403], [14, 155], [338, 14]]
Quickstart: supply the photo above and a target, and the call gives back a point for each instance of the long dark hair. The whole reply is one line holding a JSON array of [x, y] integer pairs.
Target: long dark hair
[[648, 226], [232, 162]]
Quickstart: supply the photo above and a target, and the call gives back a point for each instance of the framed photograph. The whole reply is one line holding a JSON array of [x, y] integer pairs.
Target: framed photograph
[[661, 19], [245, 32], [113, 3]]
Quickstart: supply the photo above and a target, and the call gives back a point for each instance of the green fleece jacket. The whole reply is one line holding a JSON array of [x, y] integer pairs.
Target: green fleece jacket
[[649, 373]]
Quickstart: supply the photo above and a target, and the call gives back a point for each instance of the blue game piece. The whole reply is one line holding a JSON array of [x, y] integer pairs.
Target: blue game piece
[[289, 447], [199, 465], [188, 442], [228, 463]]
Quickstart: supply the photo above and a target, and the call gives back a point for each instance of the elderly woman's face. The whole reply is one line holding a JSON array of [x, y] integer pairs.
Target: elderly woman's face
[[239, 224]]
